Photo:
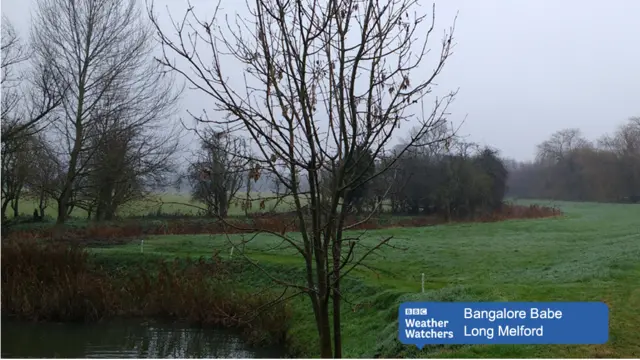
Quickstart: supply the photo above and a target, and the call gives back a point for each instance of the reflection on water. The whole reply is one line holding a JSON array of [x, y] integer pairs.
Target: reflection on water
[[124, 339]]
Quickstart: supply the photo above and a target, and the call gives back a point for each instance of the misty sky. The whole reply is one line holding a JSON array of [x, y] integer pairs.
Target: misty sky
[[524, 68]]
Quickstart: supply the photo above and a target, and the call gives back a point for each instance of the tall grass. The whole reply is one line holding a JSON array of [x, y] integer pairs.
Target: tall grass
[[57, 282], [53, 282]]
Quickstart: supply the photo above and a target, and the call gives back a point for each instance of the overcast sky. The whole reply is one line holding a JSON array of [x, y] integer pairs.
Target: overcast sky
[[525, 69]]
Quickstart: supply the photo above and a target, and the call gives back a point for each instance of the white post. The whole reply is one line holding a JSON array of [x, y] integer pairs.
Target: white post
[[422, 282], [141, 246], [231, 254]]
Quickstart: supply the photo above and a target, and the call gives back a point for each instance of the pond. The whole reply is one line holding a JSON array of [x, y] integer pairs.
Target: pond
[[125, 339]]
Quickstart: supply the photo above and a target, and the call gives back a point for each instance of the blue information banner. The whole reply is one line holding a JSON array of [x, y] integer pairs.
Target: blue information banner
[[425, 323]]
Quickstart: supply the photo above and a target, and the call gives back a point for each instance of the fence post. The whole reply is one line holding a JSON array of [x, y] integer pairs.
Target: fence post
[[141, 246], [423, 283]]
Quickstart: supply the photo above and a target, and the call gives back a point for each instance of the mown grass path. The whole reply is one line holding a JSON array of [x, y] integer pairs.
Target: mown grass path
[[591, 254]]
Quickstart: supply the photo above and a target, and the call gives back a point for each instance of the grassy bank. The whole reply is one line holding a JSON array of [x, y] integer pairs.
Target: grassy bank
[[591, 254]]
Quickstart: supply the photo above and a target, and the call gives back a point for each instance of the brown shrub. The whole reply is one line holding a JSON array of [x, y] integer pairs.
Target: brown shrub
[[183, 290], [279, 223], [52, 282], [56, 282], [512, 212]]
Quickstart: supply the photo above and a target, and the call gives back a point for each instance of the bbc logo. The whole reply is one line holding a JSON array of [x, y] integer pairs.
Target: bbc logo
[[415, 311]]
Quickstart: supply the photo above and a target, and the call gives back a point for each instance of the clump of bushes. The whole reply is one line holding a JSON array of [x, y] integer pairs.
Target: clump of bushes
[[512, 212], [47, 281], [53, 282]]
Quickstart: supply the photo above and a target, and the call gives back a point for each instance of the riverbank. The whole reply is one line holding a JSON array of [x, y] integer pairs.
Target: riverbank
[[50, 281], [590, 254]]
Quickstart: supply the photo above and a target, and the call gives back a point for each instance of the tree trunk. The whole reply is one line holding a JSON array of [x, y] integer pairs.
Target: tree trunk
[[5, 204], [337, 333], [42, 204], [324, 330], [224, 210], [15, 203], [70, 178], [104, 201], [110, 213], [99, 211], [62, 207], [58, 228]]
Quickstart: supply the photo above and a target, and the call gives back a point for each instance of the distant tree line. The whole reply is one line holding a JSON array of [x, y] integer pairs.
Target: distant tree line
[[455, 179], [452, 180], [454, 184], [98, 135], [570, 167], [89, 124]]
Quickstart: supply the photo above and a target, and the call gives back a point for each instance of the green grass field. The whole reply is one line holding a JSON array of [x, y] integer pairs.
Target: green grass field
[[165, 203], [591, 254]]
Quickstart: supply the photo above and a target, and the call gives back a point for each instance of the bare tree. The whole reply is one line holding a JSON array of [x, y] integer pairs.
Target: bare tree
[[561, 144], [16, 140], [569, 167], [46, 174], [28, 96], [129, 163], [626, 140], [559, 157], [100, 54], [625, 144], [322, 80], [13, 53], [218, 171], [16, 168], [276, 185]]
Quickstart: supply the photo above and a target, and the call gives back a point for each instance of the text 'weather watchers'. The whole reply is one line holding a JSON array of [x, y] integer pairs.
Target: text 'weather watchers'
[[503, 323]]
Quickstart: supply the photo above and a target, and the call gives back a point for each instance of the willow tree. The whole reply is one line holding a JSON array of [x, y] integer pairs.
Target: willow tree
[[312, 83]]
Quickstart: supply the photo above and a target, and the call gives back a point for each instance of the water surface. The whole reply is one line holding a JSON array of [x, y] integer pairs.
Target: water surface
[[125, 339]]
